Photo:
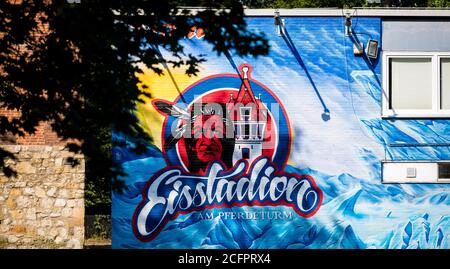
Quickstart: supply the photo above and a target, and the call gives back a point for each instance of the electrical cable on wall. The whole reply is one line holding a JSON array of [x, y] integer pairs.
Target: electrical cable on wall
[[351, 93], [384, 92]]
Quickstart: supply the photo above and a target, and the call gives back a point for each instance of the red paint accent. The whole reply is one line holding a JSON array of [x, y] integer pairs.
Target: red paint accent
[[220, 97], [236, 76]]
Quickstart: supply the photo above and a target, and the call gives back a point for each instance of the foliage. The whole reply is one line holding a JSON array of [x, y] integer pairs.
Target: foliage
[[98, 227], [97, 189], [439, 3], [74, 65]]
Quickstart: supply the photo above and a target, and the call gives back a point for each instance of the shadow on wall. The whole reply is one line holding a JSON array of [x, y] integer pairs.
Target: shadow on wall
[[371, 63], [290, 44]]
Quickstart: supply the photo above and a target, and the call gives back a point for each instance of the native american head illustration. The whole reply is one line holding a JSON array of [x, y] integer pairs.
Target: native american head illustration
[[228, 130]]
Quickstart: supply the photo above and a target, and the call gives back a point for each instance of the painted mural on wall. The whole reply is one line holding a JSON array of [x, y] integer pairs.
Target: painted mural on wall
[[226, 149], [284, 154]]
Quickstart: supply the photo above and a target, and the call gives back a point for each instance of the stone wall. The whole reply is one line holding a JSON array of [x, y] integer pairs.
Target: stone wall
[[43, 206]]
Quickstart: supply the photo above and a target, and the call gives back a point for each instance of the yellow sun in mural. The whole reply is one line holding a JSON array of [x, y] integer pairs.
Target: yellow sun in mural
[[161, 87]]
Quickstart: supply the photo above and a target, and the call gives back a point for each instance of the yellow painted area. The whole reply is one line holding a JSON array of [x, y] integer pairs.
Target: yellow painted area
[[160, 87]]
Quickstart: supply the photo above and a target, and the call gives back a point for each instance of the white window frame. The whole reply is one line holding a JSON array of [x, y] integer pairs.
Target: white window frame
[[435, 111], [249, 109], [412, 163]]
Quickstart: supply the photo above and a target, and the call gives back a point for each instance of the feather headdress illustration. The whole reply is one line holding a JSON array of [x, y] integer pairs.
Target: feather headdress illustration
[[165, 107], [185, 118]]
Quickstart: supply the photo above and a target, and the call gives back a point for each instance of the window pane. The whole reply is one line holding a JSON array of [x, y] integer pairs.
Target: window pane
[[411, 83], [444, 170], [445, 83]]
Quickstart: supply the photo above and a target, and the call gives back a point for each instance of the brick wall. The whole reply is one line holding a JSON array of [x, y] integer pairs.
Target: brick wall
[[44, 134]]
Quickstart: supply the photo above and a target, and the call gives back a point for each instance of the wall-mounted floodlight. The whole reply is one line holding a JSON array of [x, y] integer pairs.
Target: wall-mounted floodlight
[[348, 24], [279, 23], [372, 49]]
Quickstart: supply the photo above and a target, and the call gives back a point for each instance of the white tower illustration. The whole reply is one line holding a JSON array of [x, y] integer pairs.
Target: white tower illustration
[[249, 118]]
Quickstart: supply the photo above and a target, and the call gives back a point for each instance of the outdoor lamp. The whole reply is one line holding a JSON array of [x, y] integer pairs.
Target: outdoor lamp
[[279, 23], [276, 18], [348, 24]]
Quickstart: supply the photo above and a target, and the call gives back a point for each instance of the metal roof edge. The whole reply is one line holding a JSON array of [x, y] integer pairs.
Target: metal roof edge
[[369, 12]]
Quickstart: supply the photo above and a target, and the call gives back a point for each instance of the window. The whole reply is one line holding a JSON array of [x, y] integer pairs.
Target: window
[[246, 131], [410, 83], [245, 113], [444, 171], [416, 84], [245, 153], [445, 83], [416, 171]]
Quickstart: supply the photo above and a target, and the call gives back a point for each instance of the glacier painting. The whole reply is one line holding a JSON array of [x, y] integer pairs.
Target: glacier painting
[[343, 153]]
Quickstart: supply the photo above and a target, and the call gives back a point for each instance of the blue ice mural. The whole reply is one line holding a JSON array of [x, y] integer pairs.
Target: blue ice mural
[[333, 101]]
